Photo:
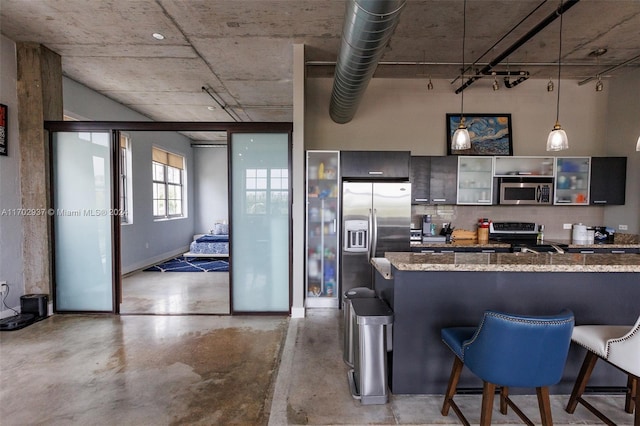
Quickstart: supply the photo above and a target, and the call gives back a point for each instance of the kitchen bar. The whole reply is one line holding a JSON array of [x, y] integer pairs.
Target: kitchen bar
[[429, 291]]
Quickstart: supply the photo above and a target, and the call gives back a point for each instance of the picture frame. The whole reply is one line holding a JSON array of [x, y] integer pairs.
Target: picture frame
[[491, 134], [3, 129]]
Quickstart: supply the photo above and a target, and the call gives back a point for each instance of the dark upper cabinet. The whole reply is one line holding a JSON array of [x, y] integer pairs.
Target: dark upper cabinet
[[375, 164], [608, 180], [433, 179], [420, 178]]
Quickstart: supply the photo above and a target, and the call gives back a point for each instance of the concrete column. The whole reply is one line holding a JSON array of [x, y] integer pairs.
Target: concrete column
[[39, 83]]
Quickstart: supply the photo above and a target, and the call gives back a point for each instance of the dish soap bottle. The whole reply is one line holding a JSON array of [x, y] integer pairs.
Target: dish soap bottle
[[540, 237]]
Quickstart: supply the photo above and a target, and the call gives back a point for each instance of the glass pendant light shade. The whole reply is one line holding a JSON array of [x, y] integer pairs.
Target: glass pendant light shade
[[557, 140], [461, 138]]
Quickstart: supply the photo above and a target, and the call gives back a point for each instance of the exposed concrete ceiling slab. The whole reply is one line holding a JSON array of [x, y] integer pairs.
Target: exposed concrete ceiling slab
[[241, 50]]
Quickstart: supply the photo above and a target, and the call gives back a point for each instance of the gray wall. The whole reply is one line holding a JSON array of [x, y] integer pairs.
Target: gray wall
[[623, 130], [211, 187], [401, 114], [11, 262], [144, 241]]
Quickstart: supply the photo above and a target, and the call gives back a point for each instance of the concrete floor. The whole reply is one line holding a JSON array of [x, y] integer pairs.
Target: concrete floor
[[175, 293], [179, 370]]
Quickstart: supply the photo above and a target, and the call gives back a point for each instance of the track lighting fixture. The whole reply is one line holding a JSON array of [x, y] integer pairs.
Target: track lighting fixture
[[496, 85], [429, 84], [557, 140], [461, 138], [599, 85], [550, 85]]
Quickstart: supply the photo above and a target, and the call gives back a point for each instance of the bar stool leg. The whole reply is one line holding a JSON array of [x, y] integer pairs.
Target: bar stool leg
[[488, 391], [632, 392], [581, 381], [504, 395], [453, 383], [545, 405]]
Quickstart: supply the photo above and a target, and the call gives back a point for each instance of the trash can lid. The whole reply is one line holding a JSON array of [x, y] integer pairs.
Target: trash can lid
[[372, 311], [359, 292]]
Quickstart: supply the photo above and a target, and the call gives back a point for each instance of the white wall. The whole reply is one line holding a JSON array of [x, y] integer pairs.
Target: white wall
[[11, 269], [211, 189], [145, 241]]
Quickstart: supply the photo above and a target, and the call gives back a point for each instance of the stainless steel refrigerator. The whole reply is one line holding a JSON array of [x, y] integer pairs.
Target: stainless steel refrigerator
[[376, 218]]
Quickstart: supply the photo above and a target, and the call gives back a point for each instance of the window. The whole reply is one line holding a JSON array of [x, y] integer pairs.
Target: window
[[267, 191], [125, 181], [168, 179]]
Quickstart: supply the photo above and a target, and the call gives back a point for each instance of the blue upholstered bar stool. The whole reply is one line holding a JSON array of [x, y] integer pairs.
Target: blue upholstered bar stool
[[508, 350], [619, 345]]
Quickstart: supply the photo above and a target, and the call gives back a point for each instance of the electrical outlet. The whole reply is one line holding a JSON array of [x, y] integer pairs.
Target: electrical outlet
[[623, 227], [566, 226]]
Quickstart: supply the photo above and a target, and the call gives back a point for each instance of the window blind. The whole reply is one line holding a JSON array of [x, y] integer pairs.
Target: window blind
[[167, 158]]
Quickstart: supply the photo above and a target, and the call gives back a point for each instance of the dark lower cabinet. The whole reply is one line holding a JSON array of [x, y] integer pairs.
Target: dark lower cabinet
[[608, 180], [375, 164]]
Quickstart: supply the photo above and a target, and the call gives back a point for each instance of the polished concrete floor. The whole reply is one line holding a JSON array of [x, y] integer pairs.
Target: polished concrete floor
[[211, 370], [173, 293]]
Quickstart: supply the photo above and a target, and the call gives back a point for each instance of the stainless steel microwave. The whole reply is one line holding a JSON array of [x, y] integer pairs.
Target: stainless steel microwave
[[526, 190]]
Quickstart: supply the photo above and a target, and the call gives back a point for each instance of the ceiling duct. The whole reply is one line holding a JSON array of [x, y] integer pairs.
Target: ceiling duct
[[368, 26]]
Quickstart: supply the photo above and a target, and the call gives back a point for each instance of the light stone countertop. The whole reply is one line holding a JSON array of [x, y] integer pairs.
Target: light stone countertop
[[509, 262]]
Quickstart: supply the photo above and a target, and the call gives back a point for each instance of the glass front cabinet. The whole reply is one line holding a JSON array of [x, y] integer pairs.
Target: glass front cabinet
[[475, 180], [322, 233], [572, 180]]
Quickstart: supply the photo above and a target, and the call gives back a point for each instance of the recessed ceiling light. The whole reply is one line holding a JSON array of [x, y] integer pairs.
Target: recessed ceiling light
[[210, 108], [158, 36]]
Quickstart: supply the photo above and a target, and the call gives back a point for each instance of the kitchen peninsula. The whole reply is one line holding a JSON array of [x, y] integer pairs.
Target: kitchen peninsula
[[429, 291]]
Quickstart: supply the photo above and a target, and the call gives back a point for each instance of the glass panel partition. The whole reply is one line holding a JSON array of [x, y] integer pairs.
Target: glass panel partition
[[83, 221], [260, 219]]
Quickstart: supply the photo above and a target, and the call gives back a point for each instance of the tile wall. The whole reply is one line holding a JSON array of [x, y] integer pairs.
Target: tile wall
[[552, 217]]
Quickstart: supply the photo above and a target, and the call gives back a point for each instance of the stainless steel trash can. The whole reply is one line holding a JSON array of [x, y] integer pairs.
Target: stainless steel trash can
[[368, 378], [348, 319]]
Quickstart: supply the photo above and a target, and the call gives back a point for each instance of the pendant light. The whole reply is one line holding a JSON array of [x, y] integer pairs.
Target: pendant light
[[461, 138], [557, 140]]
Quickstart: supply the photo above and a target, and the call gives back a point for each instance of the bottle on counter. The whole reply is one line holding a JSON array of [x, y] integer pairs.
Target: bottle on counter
[[540, 237], [483, 230]]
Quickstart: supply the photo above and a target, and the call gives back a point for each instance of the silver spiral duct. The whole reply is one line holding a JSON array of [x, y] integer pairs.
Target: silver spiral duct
[[368, 26]]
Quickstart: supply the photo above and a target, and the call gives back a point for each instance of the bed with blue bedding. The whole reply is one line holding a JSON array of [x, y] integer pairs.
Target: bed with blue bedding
[[209, 245]]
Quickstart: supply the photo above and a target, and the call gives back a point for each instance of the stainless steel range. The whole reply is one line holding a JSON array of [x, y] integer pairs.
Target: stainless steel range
[[523, 237]]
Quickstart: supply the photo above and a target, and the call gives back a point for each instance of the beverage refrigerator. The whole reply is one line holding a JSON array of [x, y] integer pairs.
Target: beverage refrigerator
[[376, 218]]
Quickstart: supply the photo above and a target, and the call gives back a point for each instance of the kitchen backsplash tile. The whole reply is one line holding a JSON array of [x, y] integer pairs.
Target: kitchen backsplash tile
[[552, 217]]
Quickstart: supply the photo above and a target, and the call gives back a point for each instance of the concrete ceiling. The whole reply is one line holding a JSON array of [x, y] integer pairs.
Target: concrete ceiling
[[241, 50]]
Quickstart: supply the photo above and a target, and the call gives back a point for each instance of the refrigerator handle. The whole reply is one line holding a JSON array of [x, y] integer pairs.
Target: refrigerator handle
[[335, 226], [370, 235], [374, 246]]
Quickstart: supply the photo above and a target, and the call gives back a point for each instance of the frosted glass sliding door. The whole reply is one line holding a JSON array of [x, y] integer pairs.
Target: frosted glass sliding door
[[260, 222], [82, 221]]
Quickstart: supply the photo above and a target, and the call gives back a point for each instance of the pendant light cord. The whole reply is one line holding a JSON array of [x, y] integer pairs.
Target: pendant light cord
[[559, 65], [464, 36]]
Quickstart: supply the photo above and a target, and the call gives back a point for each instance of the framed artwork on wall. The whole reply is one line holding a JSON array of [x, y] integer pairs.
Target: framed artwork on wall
[[3, 129], [490, 134]]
